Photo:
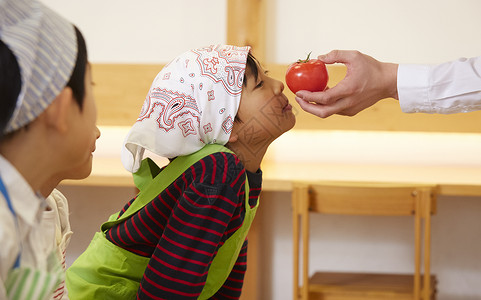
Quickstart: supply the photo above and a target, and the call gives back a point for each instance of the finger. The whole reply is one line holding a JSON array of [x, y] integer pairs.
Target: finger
[[322, 111], [336, 56], [327, 97], [323, 98]]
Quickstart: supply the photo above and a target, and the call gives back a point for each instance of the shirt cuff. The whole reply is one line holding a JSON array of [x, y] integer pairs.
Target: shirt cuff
[[412, 86]]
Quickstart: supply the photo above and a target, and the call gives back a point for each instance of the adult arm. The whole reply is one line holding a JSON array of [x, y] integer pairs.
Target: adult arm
[[451, 87], [445, 88]]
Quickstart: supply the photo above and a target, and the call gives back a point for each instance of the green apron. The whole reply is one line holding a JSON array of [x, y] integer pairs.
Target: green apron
[[106, 271]]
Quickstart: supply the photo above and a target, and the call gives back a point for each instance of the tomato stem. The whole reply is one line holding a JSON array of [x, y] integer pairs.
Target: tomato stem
[[306, 60]]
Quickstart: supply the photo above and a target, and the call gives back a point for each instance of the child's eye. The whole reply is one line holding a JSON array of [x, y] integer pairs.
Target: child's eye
[[260, 84]]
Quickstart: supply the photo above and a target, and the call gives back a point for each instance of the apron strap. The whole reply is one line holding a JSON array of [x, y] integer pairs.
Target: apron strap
[[227, 255], [151, 182], [3, 189]]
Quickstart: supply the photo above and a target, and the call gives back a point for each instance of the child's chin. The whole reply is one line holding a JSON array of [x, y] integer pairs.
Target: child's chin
[[287, 128], [292, 124], [81, 172]]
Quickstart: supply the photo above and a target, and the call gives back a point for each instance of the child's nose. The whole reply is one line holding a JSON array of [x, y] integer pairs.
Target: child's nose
[[278, 86], [97, 132]]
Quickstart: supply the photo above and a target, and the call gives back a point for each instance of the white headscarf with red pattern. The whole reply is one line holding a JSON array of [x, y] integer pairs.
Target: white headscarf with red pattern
[[192, 102]]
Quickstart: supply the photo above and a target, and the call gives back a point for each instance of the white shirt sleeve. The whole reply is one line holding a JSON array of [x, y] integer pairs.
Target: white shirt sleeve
[[59, 207], [447, 88]]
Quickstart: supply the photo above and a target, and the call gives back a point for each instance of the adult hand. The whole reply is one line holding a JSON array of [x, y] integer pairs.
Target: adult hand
[[366, 82]]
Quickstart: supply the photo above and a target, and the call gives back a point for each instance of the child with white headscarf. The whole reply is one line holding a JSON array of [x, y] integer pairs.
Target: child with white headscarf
[[213, 111], [47, 134]]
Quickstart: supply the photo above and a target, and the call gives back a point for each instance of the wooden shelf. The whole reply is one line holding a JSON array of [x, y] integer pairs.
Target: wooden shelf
[[353, 286]]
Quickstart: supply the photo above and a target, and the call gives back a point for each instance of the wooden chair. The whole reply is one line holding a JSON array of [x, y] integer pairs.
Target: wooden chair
[[363, 199]]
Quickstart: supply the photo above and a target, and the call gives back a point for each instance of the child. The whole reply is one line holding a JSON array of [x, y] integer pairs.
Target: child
[[47, 134], [184, 236]]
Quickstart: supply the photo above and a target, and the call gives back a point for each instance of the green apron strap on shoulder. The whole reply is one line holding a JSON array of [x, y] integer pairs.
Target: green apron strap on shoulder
[[147, 171], [151, 183]]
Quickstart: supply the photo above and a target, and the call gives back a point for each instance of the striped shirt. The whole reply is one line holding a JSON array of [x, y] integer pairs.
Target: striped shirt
[[184, 226]]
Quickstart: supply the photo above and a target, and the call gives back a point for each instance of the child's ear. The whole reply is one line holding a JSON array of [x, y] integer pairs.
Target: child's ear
[[58, 112]]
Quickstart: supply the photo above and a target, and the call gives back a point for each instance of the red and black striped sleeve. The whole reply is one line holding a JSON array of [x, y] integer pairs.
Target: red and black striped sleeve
[[182, 229]]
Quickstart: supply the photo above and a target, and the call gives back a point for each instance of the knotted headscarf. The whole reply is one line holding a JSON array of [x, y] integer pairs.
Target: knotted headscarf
[[192, 102], [45, 46]]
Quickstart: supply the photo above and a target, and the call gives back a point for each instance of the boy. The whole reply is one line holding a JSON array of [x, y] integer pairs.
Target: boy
[[47, 134], [184, 236]]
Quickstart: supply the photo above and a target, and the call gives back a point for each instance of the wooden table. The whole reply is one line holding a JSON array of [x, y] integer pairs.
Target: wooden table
[[451, 180], [278, 176], [279, 172]]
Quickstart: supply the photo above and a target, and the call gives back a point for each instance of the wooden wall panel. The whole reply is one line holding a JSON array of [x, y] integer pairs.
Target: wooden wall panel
[[246, 25], [121, 89]]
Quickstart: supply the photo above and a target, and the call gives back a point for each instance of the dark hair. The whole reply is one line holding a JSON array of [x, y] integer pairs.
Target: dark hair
[[11, 81], [252, 65], [10, 85], [77, 80]]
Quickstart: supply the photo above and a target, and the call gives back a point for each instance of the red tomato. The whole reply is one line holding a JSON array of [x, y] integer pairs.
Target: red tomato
[[309, 74]]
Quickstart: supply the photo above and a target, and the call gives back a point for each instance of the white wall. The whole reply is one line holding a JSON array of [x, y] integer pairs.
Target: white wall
[[407, 31], [144, 31]]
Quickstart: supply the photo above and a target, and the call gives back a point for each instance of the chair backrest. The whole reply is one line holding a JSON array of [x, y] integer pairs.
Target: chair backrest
[[355, 198]]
